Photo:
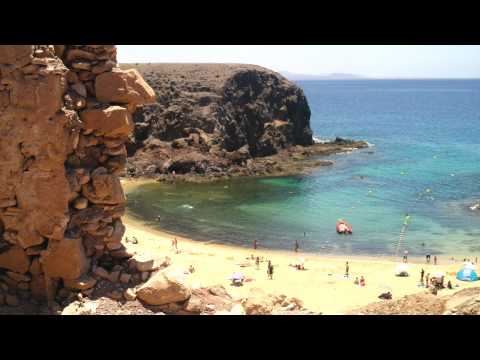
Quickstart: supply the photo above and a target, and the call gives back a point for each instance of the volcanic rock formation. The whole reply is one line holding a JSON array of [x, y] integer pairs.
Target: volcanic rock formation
[[65, 114], [210, 117]]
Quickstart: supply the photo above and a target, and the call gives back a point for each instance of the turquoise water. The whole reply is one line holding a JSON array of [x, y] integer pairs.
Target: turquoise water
[[425, 161]]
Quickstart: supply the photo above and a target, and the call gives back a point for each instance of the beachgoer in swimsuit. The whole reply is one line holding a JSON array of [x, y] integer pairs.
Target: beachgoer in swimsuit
[[362, 281], [257, 262], [449, 285], [426, 280], [255, 244], [405, 256], [270, 270], [347, 268], [428, 258], [422, 273], [296, 246], [435, 260], [356, 282]]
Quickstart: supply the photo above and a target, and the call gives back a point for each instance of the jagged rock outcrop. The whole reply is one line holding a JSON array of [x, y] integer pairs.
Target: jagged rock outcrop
[[208, 117], [65, 115]]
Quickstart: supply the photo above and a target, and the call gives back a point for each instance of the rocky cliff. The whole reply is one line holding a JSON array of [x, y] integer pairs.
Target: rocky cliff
[[210, 117], [65, 114]]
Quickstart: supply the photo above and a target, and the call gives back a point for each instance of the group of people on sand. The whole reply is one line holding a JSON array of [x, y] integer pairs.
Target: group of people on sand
[[360, 282], [357, 281], [434, 282]]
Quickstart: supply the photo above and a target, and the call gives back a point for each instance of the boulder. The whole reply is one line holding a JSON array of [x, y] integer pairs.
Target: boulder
[[65, 259], [15, 259], [209, 300], [144, 262], [123, 87], [168, 286], [113, 121], [104, 188]]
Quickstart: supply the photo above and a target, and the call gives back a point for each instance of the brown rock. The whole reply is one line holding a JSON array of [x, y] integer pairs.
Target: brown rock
[[15, 54], [125, 278], [113, 121], [18, 277], [164, 287], [38, 287], [23, 286], [104, 188], [80, 203], [123, 87], [101, 273], [11, 300], [15, 259], [116, 295], [35, 267], [65, 259], [82, 283], [35, 250], [114, 276]]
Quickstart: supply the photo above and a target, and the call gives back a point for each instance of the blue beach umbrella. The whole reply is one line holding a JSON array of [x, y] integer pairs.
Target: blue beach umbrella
[[467, 274]]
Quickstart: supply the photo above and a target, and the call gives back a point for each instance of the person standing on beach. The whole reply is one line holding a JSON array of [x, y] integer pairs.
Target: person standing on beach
[[255, 244], [435, 260], [176, 244], [270, 270], [296, 246], [426, 280], [347, 268], [422, 273], [405, 256], [257, 263]]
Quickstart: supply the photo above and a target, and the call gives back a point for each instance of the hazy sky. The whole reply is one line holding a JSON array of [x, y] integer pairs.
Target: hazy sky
[[437, 61]]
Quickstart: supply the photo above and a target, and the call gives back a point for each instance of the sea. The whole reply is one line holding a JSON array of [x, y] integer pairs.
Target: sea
[[423, 160]]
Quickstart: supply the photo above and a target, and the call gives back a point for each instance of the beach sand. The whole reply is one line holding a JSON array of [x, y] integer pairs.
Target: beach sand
[[322, 286]]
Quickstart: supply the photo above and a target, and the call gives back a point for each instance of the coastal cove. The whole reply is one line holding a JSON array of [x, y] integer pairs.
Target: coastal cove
[[423, 163]]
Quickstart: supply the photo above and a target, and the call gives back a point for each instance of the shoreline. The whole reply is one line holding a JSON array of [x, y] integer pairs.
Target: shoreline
[[322, 287]]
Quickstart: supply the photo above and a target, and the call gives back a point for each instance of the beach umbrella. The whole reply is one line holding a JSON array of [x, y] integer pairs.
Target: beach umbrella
[[467, 275], [401, 270], [238, 276]]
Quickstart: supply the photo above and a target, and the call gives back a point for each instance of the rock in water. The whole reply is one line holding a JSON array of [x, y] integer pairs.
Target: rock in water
[[165, 287]]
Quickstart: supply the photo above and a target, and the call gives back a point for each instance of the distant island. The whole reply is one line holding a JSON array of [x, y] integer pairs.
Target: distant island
[[335, 76]]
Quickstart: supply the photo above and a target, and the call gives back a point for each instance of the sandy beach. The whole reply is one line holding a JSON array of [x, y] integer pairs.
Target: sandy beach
[[322, 287]]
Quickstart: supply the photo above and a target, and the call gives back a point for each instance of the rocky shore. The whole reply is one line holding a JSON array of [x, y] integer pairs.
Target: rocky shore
[[219, 121]]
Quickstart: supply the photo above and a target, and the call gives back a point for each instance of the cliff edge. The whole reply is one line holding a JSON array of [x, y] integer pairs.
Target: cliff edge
[[210, 117]]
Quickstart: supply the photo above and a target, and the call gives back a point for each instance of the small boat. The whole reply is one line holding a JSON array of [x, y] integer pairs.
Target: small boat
[[343, 227]]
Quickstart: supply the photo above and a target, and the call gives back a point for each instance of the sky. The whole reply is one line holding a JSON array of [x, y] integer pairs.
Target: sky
[[415, 61]]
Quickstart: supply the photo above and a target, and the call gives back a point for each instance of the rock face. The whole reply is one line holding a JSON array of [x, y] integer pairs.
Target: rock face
[[65, 115], [208, 117]]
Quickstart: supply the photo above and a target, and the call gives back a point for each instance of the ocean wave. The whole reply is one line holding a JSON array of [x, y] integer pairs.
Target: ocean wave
[[318, 140], [187, 206], [370, 145]]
